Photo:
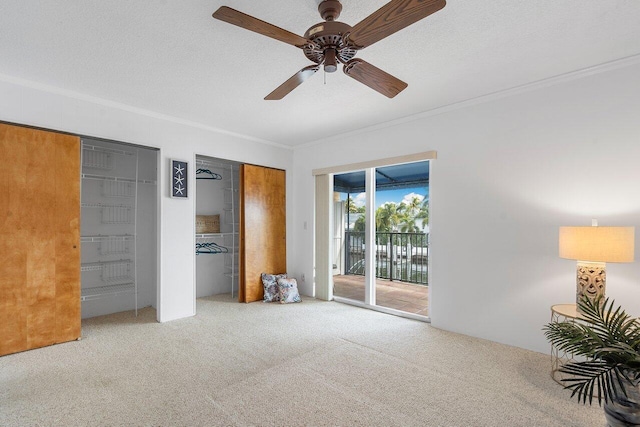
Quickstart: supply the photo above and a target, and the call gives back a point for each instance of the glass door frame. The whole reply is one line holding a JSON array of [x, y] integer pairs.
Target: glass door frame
[[370, 237], [325, 290]]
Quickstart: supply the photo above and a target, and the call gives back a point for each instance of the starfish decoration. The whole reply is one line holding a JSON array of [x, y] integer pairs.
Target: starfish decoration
[[179, 170]]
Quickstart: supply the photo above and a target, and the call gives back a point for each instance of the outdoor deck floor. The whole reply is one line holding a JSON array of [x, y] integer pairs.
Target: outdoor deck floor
[[407, 297]]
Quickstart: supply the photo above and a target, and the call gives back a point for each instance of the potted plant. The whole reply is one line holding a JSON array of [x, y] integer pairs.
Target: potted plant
[[608, 343]]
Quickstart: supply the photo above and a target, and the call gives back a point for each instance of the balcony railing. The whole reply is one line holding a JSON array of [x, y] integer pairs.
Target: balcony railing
[[399, 256]]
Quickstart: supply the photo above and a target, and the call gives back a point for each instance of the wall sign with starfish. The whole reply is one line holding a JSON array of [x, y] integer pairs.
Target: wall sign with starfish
[[179, 181]]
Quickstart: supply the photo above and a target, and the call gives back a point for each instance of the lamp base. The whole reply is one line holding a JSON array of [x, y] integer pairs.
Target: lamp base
[[591, 281]]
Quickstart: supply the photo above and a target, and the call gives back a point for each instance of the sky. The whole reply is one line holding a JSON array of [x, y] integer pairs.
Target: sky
[[386, 196]]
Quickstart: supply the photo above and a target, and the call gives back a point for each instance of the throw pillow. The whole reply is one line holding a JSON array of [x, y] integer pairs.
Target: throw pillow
[[288, 290], [270, 284]]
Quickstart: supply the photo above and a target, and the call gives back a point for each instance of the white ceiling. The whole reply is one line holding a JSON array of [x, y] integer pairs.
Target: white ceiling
[[173, 58]]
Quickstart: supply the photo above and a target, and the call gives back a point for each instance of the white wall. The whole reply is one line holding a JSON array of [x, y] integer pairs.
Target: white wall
[[37, 105], [509, 172]]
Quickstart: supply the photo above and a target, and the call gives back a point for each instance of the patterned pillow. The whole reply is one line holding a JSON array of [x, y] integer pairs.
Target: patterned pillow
[[270, 283], [288, 290]]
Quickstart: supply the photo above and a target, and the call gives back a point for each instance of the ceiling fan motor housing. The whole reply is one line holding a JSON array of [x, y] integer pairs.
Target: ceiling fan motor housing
[[330, 9], [329, 36]]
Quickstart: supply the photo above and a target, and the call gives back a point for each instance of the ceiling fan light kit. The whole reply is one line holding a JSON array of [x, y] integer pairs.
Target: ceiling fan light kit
[[331, 42]]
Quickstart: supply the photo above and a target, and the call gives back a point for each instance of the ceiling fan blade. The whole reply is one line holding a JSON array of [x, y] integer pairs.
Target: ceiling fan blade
[[392, 17], [374, 77], [250, 23], [296, 80]]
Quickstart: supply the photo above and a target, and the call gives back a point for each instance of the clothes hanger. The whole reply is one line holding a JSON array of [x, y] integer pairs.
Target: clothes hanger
[[207, 174]]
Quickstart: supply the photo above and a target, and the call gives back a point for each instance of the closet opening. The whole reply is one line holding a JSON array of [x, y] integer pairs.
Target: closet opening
[[118, 227], [217, 227]]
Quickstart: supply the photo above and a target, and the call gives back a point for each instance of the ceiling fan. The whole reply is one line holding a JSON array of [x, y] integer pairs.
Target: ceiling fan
[[331, 42]]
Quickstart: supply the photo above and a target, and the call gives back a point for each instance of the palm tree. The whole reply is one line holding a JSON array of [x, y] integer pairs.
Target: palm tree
[[388, 216], [358, 226], [351, 207], [409, 225], [414, 205], [409, 212], [423, 213]]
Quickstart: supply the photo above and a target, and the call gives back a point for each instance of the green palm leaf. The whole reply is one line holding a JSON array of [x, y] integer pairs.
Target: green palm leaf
[[609, 340]]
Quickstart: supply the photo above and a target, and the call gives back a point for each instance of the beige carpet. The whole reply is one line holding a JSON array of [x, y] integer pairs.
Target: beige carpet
[[310, 364]]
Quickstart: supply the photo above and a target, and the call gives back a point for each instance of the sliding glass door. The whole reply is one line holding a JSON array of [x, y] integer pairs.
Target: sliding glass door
[[402, 239], [380, 247], [349, 225]]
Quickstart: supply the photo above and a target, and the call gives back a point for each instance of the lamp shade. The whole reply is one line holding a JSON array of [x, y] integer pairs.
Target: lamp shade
[[597, 244]]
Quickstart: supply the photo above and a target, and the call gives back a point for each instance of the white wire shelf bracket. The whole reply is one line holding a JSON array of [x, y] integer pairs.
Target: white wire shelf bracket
[[112, 214], [117, 179], [99, 266], [97, 159], [102, 238], [119, 189], [118, 280], [117, 272], [115, 247], [102, 205], [107, 150], [107, 178], [213, 235], [97, 292], [91, 267], [117, 215]]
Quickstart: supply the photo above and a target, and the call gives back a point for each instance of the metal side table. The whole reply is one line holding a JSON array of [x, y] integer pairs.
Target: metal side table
[[562, 313]]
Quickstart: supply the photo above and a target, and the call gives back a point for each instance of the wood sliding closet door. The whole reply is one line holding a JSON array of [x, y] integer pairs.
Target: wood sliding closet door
[[39, 238], [262, 228]]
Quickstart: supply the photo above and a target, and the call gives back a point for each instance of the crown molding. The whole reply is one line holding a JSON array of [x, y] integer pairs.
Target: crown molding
[[128, 108], [505, 93]]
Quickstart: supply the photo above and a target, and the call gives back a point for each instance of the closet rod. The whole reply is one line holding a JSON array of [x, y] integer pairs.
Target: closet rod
[[214, 164]]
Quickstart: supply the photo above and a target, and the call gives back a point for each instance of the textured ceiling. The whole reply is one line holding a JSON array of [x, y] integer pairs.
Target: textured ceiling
[[173, 58]]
